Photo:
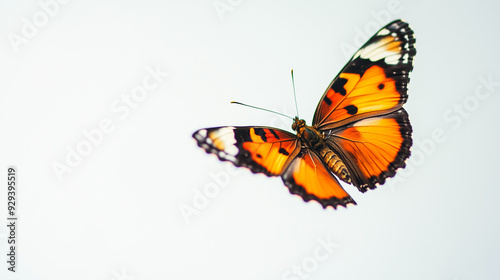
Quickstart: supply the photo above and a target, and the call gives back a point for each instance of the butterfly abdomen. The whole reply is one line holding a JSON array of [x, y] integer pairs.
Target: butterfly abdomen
[[335, 164]]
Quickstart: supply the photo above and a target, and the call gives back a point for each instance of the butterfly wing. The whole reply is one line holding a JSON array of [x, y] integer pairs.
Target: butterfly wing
[[361, 112], [374, 82], [275, 152], [373, 148], [260, 149], [308, 177]]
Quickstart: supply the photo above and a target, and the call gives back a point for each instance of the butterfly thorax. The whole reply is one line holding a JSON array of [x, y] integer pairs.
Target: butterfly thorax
[[313, 139]]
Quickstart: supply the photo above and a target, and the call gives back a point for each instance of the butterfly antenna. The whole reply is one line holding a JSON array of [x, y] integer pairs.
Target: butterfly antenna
[[295, 95], [267, 110]]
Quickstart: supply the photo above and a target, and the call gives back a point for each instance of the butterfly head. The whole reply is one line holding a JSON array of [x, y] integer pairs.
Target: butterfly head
[[298, 124], [308, 134]]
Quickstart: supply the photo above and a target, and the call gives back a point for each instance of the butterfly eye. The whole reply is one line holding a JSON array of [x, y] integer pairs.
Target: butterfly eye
[[294, 126]]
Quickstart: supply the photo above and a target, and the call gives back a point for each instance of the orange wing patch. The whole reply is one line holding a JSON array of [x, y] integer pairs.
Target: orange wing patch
[[268, 151], [375, 143], [374, 148], [308, 177], [372, 93]]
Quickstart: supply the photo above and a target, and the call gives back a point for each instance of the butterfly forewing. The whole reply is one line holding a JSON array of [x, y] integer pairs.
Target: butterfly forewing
[[374, 82], [261, 149]]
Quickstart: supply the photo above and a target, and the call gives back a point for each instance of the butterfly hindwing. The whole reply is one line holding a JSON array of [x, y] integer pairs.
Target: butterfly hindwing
[[373, 148], [308, 177], [374, 81], [261, 149]]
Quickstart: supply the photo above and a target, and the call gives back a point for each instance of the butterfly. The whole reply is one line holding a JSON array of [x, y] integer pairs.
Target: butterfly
[[360, 133]]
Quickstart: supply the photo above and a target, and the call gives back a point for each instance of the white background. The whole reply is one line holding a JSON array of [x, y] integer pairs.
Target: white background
[[67, 67]]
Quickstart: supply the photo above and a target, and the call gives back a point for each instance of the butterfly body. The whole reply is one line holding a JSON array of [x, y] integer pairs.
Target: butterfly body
[[360, 133]]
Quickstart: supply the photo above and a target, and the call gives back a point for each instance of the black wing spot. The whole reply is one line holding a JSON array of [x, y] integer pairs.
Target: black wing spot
[[283, 152], [351, 109], [242, 135], [261, 133], [274, 133], [338, 86], [259, 156], [381, 86], [327, 101]]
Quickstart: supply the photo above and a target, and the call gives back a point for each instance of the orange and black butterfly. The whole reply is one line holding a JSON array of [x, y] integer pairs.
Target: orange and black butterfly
[[360, 132]]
